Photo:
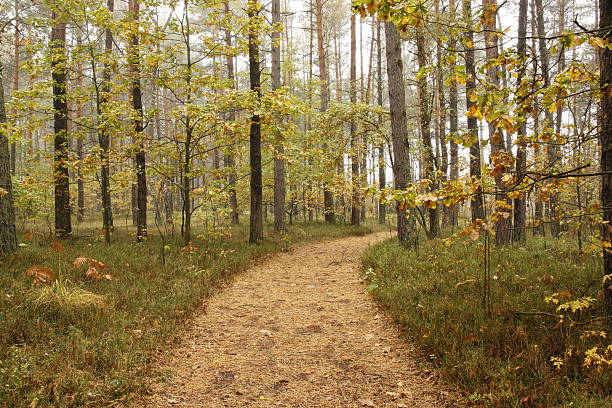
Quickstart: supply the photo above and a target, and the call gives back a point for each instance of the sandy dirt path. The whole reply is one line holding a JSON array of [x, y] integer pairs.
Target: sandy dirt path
[[298, 331]]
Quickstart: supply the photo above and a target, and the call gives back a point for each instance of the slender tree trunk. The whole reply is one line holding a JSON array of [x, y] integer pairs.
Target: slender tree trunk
[[520, 216], [256, 226], [104, 134], [187, 180], [552, 150], [279, 163], [8, 238], [382, 177], [328, 197], [503, 206], [429, 166], [80, 213], [399, 135], [605, 136], [476, 204], [453, 121], [355, 199], [16, 70], [63, 226], [228, 159], [141, 176]]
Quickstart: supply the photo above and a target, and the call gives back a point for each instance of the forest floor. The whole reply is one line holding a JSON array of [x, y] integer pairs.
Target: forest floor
[[298, 330]]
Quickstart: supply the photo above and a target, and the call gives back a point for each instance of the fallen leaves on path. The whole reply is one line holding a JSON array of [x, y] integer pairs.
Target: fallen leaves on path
[[298, 331]]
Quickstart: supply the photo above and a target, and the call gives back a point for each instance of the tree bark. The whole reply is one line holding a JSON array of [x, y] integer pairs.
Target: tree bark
[[382, 177], [328, 196], [399, 133], [63, 226], [453, 119], [256, 220], [104, 134], [279, 163], [503, 206], [228, 159], [355, 199], [476, 203], [605, 136], [520, 216], [429, 166], [139, 135], [552, 150], [16, 69], [8, 238]]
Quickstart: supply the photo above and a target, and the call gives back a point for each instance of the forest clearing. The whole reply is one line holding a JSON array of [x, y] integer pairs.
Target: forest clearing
[[305, 203]]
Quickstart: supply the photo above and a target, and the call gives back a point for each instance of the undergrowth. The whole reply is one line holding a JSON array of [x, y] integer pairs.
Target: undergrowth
[[516, 352], [87, 342]]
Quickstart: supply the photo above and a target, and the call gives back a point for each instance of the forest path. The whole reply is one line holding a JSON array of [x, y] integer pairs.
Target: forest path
[[298, 331]]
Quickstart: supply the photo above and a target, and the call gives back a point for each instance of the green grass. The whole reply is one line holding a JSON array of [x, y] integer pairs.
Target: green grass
[[497, 356], [90, 343]]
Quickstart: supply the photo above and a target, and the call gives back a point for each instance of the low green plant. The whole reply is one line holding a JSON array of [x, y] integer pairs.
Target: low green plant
[[80, 338], [541, 341]]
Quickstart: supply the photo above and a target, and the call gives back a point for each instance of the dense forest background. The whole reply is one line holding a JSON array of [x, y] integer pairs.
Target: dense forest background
[[453, 121]]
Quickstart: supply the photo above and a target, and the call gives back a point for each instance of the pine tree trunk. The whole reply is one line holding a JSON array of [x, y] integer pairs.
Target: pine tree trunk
[[520, 216], [328, 197], [104, 136], [429, 166], [63, 226], [256, 219], [399, 135], [503, 206], [279, 163], [8, 238], [140, 159], [476, 204], [552, 150], [355, 199], [453, 120], [605, 59], [382, 177], [228, 159]]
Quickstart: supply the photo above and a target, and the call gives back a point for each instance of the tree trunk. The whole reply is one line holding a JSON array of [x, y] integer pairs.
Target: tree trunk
[[186, 171], [503, 206], [355, 199], [399, 134], [63, 226], [8, 238], [279, 163], [104, 135], [141, 176], [605, 58], [429, 166], [228, 159], [328, 197], [382, 177], [80, 213], [453, 124], [520, 215], [552, 150], [16, 70], [476, 204], [256, 225]]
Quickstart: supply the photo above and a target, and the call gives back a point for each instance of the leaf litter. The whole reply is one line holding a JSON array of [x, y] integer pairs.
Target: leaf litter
[[298, 330]]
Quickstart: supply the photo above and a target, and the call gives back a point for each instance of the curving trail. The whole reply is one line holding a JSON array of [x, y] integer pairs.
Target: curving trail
[[298, 331]]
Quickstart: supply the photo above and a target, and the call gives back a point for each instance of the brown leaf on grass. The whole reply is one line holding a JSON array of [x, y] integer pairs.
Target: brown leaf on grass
[[40, 274], [93, 268], [57, 246], [189, 248]]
